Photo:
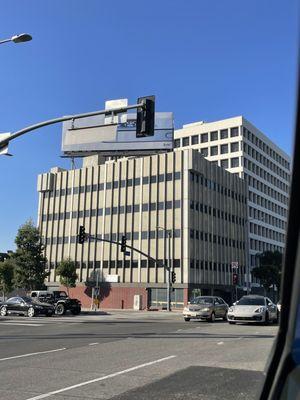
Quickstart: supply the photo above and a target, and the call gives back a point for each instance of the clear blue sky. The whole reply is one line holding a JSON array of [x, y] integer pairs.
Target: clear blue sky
[[204, 60]]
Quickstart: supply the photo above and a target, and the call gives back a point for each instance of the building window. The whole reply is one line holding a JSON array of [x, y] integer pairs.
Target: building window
[[204, 151], [204, 137], [145, 180], [214, 150], [195, 139], [169, 176], [224, 133], [234, 162], [185, 141], [177, 143], [214, 135], [224, 148], [234, 132], [234, 147], [153, 179]]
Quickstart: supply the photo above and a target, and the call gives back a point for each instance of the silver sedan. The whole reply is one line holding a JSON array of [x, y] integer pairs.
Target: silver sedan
[[206, 307]]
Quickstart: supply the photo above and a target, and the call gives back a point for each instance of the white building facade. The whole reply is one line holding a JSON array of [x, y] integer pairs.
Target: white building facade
[[238, 146]]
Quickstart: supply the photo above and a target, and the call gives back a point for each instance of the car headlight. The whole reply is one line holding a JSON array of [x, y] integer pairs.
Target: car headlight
[[186, 309], [205, 309], [230, 309], [259, 310]]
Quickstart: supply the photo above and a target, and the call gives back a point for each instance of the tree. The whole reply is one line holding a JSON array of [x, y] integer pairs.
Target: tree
[[30, 263], [67, 273], [269, 270], [6, 276]]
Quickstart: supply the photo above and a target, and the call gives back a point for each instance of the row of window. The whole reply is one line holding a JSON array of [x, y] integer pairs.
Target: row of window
[[144, 235], [213, 266], [209, 237], [265, 217], [260, 246], [198, 178], [145, 180], [162, 205], [265, 175], [120, 264], [262, 187], [263, 202], [266, 232], [265, 148], [265, 161], [196, 206], [205, 137]]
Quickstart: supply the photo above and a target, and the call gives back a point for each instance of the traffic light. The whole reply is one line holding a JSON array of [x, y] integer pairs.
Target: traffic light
[[145, 116], [81, 235], [173, 277], [123, 244], [235, 279]]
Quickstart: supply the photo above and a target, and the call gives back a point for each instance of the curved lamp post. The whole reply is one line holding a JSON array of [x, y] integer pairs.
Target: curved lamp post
[[23, 37]]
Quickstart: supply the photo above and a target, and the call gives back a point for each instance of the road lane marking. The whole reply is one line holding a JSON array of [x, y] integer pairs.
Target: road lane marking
[[93, 344], [220, 343], [19, 324], [43, 396], [32, 354]]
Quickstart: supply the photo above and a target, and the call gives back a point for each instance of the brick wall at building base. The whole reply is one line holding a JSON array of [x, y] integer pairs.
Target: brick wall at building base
[[114, 297]]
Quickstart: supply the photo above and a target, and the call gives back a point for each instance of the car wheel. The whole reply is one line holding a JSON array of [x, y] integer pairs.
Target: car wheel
[[3, 311], [186, 319], [30, 312], [60, 309], [212, 317]]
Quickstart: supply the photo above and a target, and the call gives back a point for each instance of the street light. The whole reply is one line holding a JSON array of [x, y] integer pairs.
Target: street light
[[169, 268], [23, 37]]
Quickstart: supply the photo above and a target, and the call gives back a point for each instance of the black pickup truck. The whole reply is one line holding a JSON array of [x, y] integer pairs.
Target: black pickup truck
[[61, 301]]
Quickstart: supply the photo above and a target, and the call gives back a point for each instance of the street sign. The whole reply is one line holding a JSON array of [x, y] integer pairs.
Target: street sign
[[234, 265]]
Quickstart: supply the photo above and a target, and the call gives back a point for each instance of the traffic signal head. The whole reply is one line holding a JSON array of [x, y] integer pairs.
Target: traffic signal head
[[173, 277], [81, 235], [123, 244], [235, 279], [145, 116]]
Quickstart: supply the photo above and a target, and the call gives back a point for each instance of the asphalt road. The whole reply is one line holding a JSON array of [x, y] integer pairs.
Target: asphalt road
[[130, 355]]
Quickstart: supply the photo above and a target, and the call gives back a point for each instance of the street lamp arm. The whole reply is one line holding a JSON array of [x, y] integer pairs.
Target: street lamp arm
[[5, 41], [30, 128]]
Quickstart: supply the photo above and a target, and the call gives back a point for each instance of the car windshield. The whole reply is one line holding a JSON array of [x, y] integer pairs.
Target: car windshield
[[251, 301], [27, 299], [202, 300]]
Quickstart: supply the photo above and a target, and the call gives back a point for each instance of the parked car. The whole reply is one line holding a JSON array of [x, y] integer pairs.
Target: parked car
[[25, 306], [252, 308], [206, 307], [59, 299]]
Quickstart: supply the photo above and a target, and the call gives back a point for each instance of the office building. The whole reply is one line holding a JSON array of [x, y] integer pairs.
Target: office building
[[202, 207], [239, 147]]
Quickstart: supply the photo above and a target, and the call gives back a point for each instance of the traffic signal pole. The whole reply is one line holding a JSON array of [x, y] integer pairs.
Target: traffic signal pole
[[4, 142]]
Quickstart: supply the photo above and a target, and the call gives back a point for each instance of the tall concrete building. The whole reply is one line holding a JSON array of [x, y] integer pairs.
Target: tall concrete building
[[240, 148], [202, 207]]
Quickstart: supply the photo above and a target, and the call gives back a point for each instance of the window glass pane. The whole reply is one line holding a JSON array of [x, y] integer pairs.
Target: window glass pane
[[234, 146], [204, 137], [234, 162], [214, 135], [185, 141], [195, 139], [204, 151], [234, 132], [214, 150], [224, 148], [177, 143], [224, 133]]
